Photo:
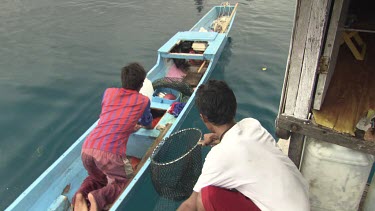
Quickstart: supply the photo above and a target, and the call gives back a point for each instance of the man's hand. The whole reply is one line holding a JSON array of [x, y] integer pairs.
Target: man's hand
[[193, 203], [210, 139], [137, 127], [148, 127]]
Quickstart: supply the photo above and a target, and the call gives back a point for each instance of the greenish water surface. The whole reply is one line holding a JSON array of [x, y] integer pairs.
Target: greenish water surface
[[58, 56]]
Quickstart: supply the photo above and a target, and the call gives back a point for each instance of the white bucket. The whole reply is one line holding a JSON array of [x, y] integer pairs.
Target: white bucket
[[337, 175], [370, 198]]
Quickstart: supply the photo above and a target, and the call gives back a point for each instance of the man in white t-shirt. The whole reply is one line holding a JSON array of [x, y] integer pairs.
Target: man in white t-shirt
[[147, 89], [245, 170]]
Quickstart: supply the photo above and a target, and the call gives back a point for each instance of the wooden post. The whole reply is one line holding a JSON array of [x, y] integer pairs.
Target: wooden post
[[295, 148], [152, 147], [201, 67], [313, 46], [296, 54]]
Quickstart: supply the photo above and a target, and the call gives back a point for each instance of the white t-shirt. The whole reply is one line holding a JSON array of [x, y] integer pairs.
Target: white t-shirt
[[249, 160], [147, 89]]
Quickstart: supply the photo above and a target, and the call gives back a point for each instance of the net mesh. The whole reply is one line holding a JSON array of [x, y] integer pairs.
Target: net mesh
[[176, 164]]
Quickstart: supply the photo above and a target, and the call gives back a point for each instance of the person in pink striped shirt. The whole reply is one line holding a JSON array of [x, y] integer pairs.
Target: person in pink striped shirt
[[124, 110]]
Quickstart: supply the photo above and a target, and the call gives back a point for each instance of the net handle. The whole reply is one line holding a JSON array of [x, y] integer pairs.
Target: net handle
[[152, 147], [150, 150]]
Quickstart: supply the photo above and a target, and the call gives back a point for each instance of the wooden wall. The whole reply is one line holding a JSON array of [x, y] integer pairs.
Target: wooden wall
[[306, 46]]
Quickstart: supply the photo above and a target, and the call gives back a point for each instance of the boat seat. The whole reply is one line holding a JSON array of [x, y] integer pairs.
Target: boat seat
[[214, 46], [186, 36]]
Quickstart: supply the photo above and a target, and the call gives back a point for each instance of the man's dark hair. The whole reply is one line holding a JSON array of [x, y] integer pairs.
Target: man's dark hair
[[217, 102], [132, 76]]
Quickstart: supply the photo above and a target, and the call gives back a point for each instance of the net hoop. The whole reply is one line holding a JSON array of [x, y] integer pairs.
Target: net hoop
[[156, 150]]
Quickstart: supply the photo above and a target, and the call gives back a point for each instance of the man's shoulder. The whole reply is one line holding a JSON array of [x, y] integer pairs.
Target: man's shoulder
[[144, 98], [220, 152], [251, 126], [250, 122], [112, 89]]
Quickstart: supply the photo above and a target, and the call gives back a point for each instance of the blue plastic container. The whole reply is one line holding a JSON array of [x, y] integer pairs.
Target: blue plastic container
[[159, 99]]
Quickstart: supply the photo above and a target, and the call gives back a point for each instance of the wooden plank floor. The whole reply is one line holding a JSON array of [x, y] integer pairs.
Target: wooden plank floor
[[351, 92]]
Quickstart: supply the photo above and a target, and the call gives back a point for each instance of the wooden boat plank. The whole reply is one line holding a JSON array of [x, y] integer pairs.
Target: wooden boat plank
[[196, 36], [140, 141], [187, 35], [214, 46], [183, 56], [66, 162]]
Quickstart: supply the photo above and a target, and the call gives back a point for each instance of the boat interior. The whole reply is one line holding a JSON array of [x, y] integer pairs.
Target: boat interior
[[167, 91], [351, 93], [185, 61]]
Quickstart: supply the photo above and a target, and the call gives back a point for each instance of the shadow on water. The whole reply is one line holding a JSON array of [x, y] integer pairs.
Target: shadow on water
[[199, 4], [52, 130], [223, 61]]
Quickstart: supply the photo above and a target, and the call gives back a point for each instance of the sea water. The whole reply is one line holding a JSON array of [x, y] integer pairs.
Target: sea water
[[58, 56]]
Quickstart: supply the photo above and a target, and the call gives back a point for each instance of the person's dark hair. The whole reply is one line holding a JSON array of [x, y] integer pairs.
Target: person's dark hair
[[132, 76], [217, 102]]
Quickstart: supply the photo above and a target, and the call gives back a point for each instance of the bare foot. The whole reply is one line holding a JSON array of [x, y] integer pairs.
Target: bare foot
[[80, 203], [94, 206], [107, 207]]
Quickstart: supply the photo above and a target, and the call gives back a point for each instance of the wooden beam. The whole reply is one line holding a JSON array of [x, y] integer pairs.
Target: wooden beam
[[152, 147], [195, 56], [201, 67], [295, 148], [314, 44], [358, 54], [308, 128], [296, 54], [360, 30]]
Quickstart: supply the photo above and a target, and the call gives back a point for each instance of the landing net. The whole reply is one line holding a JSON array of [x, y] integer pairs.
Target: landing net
[[176, 164]]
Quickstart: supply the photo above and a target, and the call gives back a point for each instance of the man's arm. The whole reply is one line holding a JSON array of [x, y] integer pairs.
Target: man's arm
[[210, 139], [193, 203]]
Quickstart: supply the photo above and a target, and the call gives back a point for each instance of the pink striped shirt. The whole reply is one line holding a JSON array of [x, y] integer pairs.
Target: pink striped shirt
[[121, 110]]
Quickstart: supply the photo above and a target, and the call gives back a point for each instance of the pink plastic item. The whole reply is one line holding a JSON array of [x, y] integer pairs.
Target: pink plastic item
[[169, 97], [174, 72]]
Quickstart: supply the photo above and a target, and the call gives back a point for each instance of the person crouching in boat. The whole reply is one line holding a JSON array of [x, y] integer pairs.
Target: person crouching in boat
[[245, 170], [124, 110]]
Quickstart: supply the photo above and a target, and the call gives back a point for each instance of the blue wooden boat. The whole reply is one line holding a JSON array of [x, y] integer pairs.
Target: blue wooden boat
[[54, 189]]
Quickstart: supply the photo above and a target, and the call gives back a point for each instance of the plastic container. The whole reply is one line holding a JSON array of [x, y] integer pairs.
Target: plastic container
[[337, 175], [370, 198], [159, 99]]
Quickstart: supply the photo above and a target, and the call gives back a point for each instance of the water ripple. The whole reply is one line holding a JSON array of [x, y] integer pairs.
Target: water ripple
[[57, 57]]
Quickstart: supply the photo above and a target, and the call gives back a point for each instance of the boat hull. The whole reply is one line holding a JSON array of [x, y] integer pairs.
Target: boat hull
[[54, 189]]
